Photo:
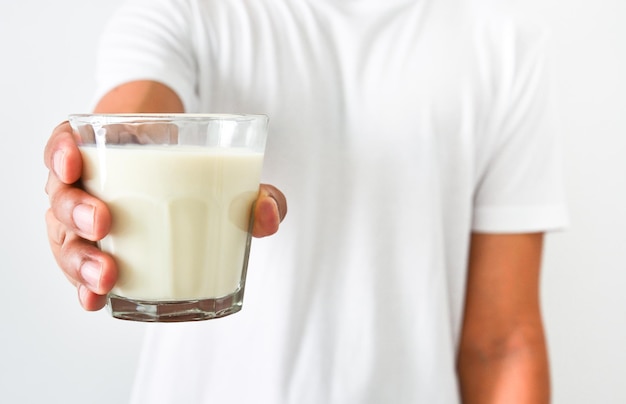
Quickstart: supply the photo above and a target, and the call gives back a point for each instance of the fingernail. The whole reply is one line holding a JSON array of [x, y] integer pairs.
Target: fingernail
[[83, 217], [82, 295], [281, 214], [91, 272], [57, 161]]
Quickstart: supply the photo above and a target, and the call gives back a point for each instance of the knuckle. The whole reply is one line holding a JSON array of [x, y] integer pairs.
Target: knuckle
[[49, 188], [57, 232], [71, 256]]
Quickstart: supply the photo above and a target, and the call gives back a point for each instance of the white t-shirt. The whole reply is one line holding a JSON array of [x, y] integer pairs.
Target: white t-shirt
[[398, 127]]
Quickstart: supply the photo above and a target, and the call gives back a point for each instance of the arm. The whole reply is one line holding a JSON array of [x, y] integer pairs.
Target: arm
[[76, 219], [140, 96], [502, 354]]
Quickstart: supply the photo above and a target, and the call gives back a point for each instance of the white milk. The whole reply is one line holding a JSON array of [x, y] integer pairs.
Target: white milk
[[180, 216]]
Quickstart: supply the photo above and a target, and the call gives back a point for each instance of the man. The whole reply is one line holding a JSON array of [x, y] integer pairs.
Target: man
[[412, 140]]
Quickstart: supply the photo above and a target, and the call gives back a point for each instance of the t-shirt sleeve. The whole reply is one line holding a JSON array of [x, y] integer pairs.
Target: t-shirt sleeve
[[150, 40], [519, 185]]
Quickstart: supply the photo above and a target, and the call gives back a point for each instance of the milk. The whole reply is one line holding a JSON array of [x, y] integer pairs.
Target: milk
[[180, 216]]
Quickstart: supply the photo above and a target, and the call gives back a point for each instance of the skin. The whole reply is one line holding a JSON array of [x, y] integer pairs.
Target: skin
[[502, 354], [76, 220]]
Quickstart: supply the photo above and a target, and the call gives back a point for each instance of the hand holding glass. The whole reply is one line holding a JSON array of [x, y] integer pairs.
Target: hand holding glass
[[180, 188]]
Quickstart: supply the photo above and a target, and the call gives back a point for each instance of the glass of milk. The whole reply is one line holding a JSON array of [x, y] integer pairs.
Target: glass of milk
[[180, 188]]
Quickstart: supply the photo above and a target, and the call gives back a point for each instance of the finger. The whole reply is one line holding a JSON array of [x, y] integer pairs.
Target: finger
[[278, 196], [62, 156], [270, 209], [79, 211], [57, 233], [89, 300], [80, 260]]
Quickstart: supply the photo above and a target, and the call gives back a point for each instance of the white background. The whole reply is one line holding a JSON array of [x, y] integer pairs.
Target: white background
[[52, 351]]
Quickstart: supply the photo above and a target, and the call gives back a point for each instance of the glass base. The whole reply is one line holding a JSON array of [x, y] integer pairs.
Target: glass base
[[174, 311]]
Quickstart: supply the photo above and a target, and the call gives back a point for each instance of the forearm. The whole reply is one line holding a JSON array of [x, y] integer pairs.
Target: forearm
[[502, 350], [140, 96], [513, 370]]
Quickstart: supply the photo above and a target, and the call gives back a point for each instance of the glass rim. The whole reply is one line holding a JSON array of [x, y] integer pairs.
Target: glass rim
[[109, 118]]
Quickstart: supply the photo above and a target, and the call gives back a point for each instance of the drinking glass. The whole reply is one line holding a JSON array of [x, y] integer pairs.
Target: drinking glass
[[180, 189]]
